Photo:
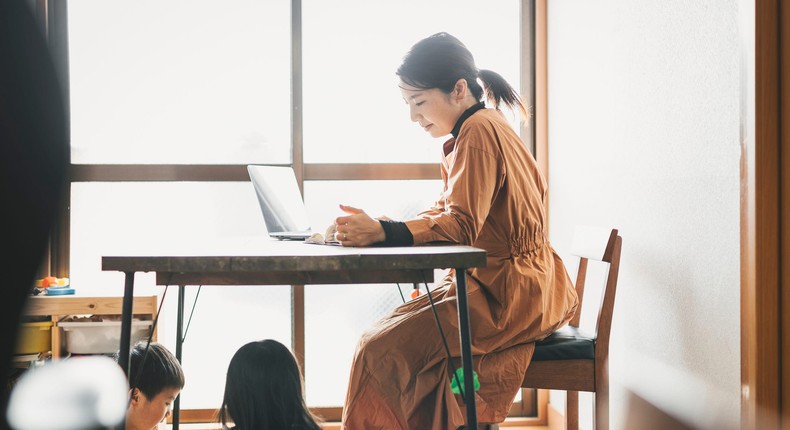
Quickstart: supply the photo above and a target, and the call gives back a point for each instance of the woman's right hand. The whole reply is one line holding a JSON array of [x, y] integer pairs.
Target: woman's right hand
[[358, 228]]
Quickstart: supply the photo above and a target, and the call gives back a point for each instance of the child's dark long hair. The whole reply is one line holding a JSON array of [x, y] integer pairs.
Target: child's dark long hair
[[263, 390], [439, 61]]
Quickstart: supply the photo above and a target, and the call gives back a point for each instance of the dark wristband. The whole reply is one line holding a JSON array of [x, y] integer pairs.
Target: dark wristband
[[396, 233]]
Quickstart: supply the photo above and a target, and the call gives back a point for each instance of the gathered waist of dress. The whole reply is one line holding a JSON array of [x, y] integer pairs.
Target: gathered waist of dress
[[514, 246]]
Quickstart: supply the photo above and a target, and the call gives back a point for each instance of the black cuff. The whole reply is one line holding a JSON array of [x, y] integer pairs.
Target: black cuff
[[396, 233]]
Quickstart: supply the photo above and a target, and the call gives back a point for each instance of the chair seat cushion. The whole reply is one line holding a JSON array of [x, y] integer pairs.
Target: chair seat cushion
[[567, 343]]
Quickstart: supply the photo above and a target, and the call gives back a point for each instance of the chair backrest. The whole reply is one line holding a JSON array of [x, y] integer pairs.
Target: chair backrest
[[597, 244]]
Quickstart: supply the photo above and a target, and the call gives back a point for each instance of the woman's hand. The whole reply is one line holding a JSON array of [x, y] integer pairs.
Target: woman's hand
[[358, 228]]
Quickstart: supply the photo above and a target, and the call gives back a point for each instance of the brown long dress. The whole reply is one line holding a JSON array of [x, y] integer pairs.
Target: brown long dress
[[492, 199]]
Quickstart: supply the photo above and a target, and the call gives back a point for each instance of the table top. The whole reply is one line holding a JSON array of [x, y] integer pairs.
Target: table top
[[300, 263]]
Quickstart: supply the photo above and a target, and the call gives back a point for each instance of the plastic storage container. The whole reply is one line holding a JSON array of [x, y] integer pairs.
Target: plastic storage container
[[34, 337], [104, 337]]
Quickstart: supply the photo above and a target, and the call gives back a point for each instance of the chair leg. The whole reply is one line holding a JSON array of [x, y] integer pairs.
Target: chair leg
[[601, 399], [572, 410], [601, 409]]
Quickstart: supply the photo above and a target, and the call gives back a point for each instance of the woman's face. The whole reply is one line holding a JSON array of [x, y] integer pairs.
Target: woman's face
[[145, 413], [435, 111]]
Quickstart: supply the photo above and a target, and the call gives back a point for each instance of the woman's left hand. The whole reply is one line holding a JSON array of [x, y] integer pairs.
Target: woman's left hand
[[358, 228]]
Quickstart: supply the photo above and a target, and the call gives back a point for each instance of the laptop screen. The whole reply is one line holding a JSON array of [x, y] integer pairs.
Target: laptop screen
[[279, 197]]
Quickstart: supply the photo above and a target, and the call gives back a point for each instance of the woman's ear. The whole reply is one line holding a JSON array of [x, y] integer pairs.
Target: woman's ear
[[460, 89]]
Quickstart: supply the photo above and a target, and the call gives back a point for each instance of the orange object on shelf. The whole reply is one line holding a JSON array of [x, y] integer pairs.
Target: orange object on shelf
[[52, 281], [49, 281]]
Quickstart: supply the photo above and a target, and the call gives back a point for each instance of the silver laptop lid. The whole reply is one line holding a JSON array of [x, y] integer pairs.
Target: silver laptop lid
[[278, 194]]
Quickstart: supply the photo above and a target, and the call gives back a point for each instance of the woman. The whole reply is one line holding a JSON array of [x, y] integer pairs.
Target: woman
[[492, 199], [263, 390]]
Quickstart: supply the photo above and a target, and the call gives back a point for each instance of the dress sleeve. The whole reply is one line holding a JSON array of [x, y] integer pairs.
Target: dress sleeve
[[396, 233], [473, 176]]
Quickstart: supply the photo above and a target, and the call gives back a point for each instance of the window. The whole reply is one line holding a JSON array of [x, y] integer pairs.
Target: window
[[179, 82], [170, 100], [353, 111]]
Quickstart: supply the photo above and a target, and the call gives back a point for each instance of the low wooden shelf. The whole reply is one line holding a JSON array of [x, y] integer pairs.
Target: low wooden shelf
[[58, 307]]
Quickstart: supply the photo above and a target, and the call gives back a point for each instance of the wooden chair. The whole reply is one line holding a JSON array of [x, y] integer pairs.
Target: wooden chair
[[570, 359]]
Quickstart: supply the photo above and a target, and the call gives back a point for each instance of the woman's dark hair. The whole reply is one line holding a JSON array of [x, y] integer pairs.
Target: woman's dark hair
[[263, 390], [439, 61], [154, 370]]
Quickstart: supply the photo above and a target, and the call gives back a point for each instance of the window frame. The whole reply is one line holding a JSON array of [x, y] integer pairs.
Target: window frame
[[52, 15]]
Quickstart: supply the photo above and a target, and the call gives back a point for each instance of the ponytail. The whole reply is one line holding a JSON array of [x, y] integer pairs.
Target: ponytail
[[497, 90]]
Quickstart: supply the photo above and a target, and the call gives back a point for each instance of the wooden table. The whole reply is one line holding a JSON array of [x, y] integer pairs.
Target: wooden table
[[297, 263]]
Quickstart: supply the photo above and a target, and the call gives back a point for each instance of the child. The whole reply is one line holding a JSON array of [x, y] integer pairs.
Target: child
[[263, 390], [155, 378]]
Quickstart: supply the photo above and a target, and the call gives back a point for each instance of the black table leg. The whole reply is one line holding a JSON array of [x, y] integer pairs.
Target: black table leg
[[179, 343], [126, 329], [466, 350], [126, 323]]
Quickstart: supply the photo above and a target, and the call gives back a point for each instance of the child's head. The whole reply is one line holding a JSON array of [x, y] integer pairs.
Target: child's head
[[263, 389], [155, 378]]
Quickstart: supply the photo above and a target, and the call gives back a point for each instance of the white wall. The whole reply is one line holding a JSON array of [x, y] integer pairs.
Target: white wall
[[643, 136]]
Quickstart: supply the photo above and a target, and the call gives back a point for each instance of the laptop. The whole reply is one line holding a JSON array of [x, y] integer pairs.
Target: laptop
[[281, 203]]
